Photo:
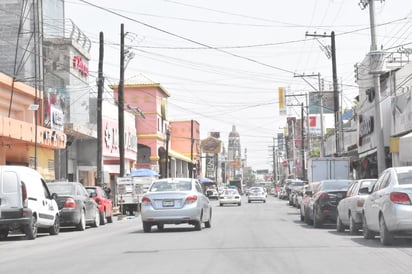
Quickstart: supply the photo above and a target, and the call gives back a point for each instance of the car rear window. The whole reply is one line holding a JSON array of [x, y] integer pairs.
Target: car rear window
[[404, 177], [61, 189], [10, 183], [171, 186]]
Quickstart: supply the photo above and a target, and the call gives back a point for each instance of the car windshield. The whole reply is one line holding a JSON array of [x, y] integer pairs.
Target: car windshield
[[336, 185], [91, 190], [230, 192], [404, 177], [62, 189], [171, 186]]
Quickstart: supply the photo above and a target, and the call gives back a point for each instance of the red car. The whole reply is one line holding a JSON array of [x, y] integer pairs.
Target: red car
[[104, 203]]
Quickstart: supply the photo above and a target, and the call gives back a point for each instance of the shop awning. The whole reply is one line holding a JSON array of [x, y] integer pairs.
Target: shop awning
[[405, 148]]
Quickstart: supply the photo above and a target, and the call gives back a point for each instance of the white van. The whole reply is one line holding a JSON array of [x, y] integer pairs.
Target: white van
[[26, 204]]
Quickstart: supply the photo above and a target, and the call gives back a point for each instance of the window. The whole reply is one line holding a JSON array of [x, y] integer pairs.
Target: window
[[10, 182]]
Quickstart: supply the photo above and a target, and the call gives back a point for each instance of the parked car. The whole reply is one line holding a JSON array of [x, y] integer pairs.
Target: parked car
[[256, 194], [175, 201], [76, 206], [388, 209], [325, 200], [212, 193], [349, 210], [104, 203], [26, 203], [230, 196], [306, 205], [295, 191], [290, 185]]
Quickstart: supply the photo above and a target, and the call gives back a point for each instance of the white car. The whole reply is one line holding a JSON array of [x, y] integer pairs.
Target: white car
[[388, 208], [26, 203], [256, 194], [230, 196], [175, 201]]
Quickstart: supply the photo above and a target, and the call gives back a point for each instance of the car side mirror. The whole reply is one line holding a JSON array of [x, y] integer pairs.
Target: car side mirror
[[54, 196]]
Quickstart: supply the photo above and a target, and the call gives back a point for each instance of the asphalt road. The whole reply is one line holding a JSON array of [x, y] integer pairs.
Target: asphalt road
[[253, 238]]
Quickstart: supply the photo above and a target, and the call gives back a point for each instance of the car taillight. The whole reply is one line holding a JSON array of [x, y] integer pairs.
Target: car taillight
[[400, 198], [70, 203], [191, 199], [146, 200], [323, 196], [360, 203], [24, 195]]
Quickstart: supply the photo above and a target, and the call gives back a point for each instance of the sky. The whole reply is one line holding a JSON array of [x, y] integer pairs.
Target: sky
[[222, 61]]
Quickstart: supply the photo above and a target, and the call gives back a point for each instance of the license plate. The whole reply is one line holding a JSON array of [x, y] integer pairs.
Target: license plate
[[168, 203]]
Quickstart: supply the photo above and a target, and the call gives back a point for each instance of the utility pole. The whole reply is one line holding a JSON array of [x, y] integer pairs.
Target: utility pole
[[302, 142], [376, 61], [191, 150], [100, 84], [338, 124], [120, 103]]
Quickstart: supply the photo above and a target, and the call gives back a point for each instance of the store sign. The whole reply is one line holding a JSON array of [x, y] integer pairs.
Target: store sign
[[80, 66], [366, 127], [111, 138]]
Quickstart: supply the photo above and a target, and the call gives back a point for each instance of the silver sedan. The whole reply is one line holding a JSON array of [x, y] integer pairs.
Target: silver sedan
[[388, 209], [175, 201], [349, 214]]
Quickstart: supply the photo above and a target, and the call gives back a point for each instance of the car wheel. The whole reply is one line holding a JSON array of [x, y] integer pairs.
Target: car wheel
[[353, 227], [4, 234], [96, 221], [198, 225], [239, 204], [55, 229], [220, 204], [160, 226], [82, 224], [249, 202], [110, 218], [367, 234], [339, 225], [386, 236], [302, 217], [31, 228], [147, 227], [103, 219], [208, 223]]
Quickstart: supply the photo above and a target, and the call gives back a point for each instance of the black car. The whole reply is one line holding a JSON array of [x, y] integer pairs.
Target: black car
[[325, 200], [77, 207]]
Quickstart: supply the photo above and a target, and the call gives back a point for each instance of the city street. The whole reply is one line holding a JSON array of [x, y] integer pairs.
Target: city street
[[253, 238]]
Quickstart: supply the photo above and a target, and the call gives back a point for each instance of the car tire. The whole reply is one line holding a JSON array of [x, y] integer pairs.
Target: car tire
[[147, 227], [110, 218], [302, 217], [339, 225], [103, 219], [239, 204], [353, 227], [81, 226], [249, 202], [367, 234], [3, 234], [198, 225], [220, 204], [55, 228], [385, 235], [208, 223], [31, 229], [96, 220], [160, 226]]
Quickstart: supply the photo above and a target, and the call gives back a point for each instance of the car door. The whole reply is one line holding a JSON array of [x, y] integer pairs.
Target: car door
[[375, 200], [47, 206], [204, 202], [345, 204], [89, 204]]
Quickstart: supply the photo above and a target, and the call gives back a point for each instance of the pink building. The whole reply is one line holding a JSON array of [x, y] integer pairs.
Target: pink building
[[155, 135]]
